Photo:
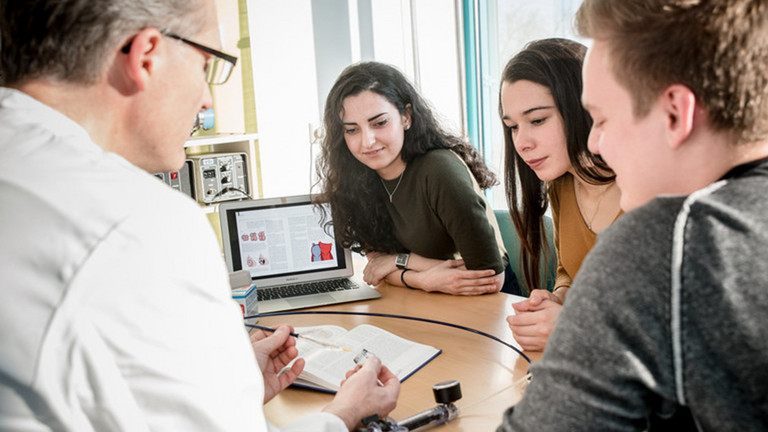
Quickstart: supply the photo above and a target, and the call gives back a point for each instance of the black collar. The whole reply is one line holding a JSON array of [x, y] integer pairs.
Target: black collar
[[742, 169]]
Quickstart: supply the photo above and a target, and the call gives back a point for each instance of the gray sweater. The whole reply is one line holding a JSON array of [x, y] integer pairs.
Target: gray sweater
[[669, 313]]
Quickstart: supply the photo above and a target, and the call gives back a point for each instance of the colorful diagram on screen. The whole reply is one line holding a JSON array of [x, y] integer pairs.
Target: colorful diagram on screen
[[322, 251], [254, 237]]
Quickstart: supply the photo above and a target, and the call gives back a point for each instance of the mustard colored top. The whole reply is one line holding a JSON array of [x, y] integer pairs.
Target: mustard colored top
[[573, 239]]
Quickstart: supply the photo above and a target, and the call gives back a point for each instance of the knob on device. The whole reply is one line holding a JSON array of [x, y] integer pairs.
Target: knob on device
[[447, 392]]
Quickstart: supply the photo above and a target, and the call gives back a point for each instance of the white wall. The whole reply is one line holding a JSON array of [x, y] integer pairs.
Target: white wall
[[438, 59], [228, 98], [283, 57]]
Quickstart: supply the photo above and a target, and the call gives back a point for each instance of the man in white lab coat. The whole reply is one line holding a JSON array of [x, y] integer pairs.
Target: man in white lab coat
[[115, 311]]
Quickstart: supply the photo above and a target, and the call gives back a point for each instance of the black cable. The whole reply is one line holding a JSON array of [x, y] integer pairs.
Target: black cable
[[229, 189], [431, 321]]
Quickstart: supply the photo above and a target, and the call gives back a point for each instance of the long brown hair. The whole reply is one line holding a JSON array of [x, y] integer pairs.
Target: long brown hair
[[556, 64]]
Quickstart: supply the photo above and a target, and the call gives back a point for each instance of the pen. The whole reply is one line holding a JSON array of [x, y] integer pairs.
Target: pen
[[305, 337]]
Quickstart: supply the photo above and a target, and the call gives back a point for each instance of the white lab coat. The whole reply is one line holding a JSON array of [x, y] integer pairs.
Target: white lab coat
[[115, 311]]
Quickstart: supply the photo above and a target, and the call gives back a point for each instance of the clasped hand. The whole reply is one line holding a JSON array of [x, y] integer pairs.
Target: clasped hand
[[534, 319], [453, 277]]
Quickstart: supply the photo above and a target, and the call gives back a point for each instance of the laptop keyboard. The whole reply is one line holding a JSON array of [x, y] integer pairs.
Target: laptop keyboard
[[287, 291]]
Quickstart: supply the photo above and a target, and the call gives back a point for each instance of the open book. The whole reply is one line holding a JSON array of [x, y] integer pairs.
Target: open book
[[326, 367]]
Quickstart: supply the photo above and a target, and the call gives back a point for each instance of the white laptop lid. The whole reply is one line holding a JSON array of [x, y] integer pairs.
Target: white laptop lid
[[280, 241]]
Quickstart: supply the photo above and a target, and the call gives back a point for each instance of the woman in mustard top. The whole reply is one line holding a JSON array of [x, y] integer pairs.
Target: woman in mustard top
[[548, 164]]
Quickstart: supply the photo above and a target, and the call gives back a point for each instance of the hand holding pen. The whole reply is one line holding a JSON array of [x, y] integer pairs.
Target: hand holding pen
[[305, 337], [367, 389], [274, 349]]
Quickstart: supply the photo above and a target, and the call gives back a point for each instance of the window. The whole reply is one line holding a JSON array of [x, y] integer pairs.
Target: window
[[495, 30]]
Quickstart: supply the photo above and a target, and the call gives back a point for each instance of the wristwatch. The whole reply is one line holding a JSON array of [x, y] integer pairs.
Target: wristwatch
[[401, 261]]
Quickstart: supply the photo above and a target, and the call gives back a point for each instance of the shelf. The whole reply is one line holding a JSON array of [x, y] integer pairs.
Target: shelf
[[223, 138]]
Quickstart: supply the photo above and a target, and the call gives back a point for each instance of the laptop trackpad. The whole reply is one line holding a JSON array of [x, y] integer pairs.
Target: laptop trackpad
[[310, 300]]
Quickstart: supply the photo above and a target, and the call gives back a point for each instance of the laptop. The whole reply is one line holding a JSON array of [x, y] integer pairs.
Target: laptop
[[292, 261]]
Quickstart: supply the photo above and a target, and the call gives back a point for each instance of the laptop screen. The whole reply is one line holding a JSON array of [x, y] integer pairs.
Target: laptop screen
[[280, 241]]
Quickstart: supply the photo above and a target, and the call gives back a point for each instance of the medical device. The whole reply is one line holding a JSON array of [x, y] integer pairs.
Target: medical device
[[181, 180], [446, 393], [220, 177]]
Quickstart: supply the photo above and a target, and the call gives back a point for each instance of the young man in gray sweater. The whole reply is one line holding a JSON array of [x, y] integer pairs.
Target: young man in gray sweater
[[666, 325]]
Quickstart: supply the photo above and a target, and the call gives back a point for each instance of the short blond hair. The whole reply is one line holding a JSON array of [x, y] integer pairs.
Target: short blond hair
[[716, 48]]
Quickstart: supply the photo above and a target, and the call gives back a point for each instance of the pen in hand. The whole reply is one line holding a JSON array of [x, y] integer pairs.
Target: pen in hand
[[305, 337]]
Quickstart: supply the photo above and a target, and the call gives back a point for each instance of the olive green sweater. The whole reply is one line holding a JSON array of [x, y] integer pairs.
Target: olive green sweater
[[439, 212]]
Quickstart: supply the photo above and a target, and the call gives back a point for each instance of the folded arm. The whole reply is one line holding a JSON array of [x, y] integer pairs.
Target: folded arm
[[448, 276]]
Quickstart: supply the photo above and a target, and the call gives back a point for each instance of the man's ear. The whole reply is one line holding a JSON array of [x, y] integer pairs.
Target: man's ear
[[679, 105], [141, 57]]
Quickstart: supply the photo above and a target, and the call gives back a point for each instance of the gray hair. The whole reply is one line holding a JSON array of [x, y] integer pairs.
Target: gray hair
[[69, 40]]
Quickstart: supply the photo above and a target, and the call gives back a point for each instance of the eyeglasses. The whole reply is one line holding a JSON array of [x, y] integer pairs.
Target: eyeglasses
[[219, 69]]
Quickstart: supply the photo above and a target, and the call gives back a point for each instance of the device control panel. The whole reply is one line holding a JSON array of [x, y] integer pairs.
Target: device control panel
[[220, 177], [180, 180]]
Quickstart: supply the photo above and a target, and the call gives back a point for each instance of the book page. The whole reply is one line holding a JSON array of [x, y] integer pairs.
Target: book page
[[329, 333], [327, 367]]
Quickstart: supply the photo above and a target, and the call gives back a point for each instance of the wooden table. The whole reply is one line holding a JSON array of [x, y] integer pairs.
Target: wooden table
[[486, 369]]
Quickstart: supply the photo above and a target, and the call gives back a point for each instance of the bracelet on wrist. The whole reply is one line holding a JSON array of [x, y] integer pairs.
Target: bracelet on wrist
[[402, 278]]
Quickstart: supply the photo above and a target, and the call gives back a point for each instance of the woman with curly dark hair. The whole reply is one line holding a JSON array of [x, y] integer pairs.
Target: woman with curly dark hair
[[406, 193]]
